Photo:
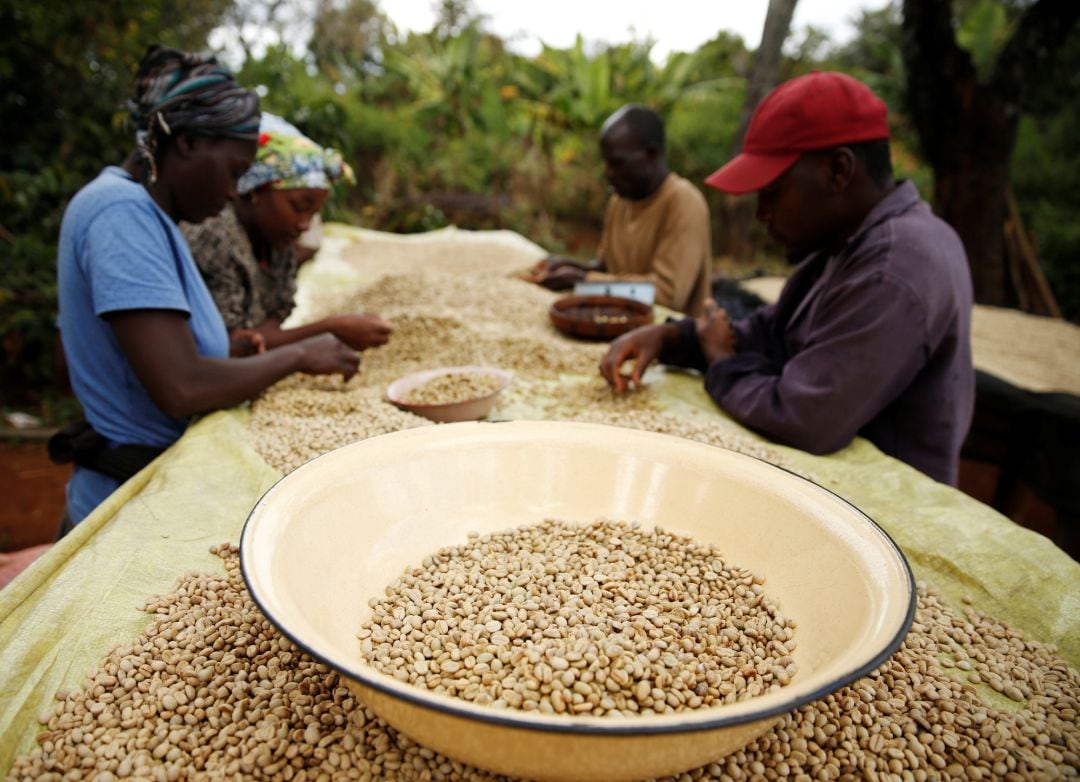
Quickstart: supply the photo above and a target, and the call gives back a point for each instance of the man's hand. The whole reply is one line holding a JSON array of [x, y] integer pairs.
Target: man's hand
[[362, 331], [715, 334], [641, 346], [563, 278], [551, 263], [325, 354], [557, 272]]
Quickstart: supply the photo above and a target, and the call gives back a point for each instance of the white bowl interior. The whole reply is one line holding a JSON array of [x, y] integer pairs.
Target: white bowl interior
[[339, 529]]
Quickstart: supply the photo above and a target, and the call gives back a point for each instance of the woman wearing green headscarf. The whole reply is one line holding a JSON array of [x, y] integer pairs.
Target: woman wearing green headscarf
[[247, 254]]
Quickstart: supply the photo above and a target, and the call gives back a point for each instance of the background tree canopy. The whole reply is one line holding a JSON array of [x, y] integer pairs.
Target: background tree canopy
[[450, 126]]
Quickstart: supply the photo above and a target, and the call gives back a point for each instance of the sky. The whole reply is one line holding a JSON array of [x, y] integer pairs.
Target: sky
[[675, 25]]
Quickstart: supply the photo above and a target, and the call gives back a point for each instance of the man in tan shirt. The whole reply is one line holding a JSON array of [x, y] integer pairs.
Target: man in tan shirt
[[656, 225]]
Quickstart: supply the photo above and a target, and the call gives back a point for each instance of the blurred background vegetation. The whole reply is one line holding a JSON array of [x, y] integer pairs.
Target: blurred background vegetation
[[449, 127]]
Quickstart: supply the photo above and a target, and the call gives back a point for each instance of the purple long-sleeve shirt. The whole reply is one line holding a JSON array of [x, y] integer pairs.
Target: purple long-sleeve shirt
[[873, 341]]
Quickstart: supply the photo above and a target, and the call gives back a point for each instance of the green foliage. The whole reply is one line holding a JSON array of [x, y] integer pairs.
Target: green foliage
[[347, 39], [1046, 160], [1046, 175], [1046, 179], [1057, 234], [473, 164], [874, 54], [451, 85], [810, 47], [724, 57], [27, 312], [562, 89], [983, 31], [66, 70], [700, 129]]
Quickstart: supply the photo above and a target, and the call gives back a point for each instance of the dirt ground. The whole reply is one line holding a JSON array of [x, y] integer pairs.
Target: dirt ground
[[32, 492]]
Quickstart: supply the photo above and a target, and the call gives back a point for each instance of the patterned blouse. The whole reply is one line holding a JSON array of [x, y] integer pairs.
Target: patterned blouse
[[246, 291]]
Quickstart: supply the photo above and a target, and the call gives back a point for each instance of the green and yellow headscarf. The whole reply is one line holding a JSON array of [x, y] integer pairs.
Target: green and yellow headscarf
[[287, 160]]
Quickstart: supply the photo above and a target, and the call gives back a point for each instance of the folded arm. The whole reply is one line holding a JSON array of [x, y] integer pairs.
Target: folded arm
[[867, 347]]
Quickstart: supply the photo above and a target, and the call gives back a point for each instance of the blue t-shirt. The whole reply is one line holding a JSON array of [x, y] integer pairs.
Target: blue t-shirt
[[120, 251]]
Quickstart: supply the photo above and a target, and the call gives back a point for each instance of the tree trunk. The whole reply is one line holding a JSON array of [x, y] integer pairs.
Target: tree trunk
[[967, 127], [737, 212], [967, 136], [766, 70]]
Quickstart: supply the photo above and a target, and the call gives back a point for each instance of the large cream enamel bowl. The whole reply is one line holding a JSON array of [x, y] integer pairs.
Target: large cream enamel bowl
[[339, 529]]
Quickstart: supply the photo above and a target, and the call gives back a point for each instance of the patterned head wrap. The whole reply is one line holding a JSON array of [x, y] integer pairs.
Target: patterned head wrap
[[289, 160], [182, 93]]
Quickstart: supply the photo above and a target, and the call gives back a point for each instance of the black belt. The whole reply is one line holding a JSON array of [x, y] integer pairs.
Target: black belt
[[78, 442]]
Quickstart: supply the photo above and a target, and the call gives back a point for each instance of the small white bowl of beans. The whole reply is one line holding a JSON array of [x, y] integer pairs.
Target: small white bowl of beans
[[573, 602], [449, 394]]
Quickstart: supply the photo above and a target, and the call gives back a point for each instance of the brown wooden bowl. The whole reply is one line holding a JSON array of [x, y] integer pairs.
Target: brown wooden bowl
[[598, 317]]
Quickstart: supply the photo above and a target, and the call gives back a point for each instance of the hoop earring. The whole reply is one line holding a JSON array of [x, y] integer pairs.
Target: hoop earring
[[148, 152]]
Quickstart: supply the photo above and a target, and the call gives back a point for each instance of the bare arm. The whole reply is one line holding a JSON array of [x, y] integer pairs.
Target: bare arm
[[162, 351], [357, 331], [560, 273]]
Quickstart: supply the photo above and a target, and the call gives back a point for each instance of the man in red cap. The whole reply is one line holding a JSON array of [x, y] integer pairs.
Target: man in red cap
[[871, 333]]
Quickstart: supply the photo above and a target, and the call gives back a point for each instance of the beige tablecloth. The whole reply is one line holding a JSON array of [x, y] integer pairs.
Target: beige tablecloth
[[84, 595]]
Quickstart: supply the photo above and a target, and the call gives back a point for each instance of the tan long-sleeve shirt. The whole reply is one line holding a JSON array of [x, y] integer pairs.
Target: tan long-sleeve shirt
[[663, 239]]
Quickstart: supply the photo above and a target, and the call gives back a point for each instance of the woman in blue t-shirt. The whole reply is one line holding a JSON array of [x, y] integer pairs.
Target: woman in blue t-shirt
[[146, 347]]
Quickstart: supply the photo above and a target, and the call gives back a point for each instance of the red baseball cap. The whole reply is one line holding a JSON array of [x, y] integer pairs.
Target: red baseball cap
[[816, 111]]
